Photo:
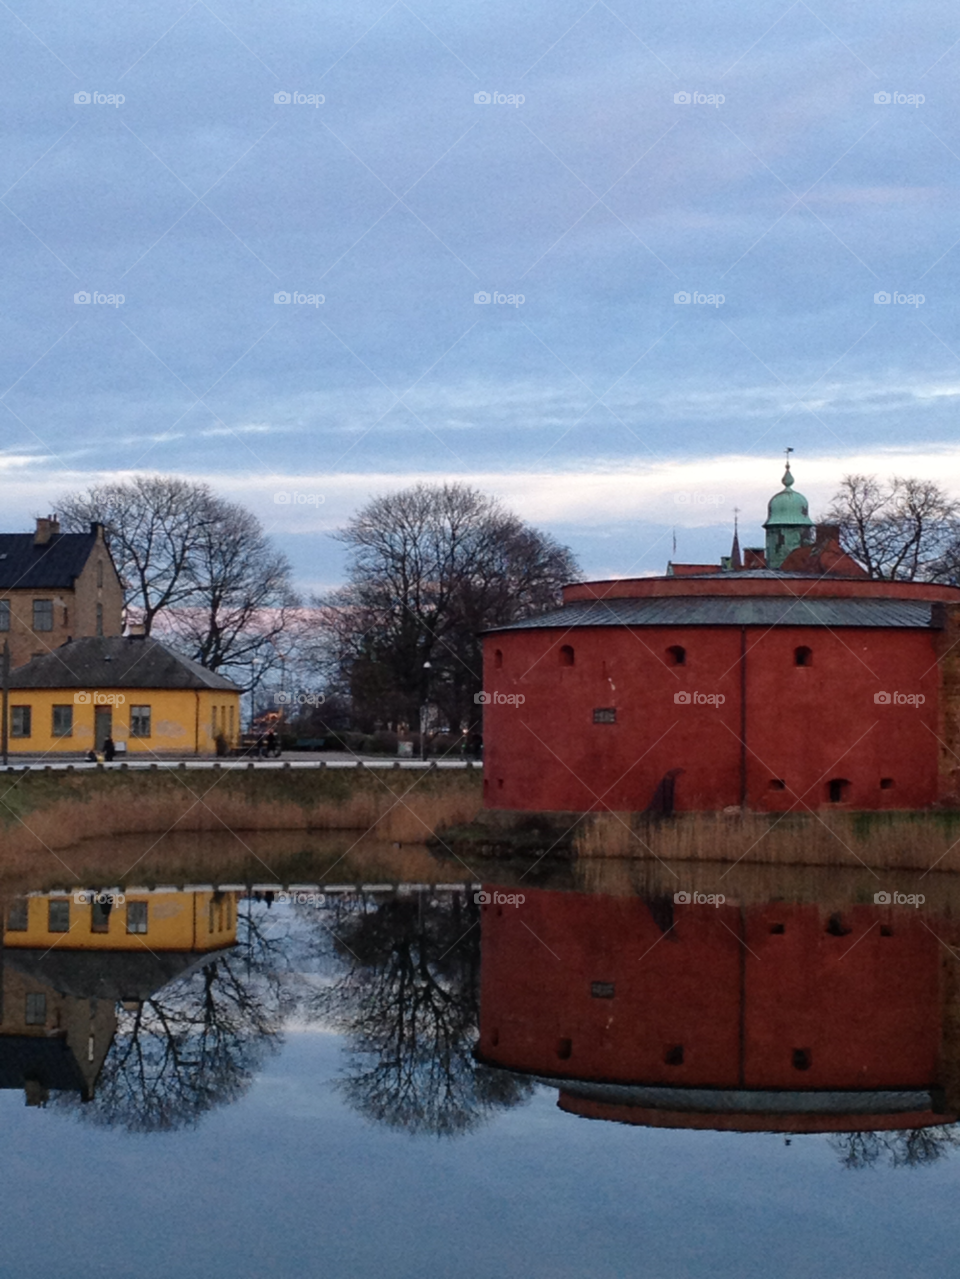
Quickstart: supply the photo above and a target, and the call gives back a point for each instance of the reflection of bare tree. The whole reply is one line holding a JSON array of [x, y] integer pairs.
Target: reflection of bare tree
[[196, 1043], [907, 1148], [409, 1004]]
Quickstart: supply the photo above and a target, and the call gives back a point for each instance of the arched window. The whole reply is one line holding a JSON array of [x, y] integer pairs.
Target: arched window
[[803, 656], [677, 655], [498, 658], [566, 655], [837, 789]]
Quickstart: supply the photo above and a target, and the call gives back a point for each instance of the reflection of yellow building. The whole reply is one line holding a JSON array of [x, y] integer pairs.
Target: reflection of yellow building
[[87, 919], [145, 696]]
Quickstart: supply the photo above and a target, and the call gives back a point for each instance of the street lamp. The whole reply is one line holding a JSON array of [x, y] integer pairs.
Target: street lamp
[[424, 709]]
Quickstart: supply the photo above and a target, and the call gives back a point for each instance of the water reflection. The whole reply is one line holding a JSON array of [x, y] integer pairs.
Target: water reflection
[[145, 1010]]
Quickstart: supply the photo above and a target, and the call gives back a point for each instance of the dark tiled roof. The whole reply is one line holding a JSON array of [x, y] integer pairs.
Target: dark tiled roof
[[47, 1060], [116, 662], [53, 566], [731, 610]]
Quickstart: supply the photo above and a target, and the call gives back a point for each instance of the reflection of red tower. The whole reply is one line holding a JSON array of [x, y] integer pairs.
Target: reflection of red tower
[[771, 1017]]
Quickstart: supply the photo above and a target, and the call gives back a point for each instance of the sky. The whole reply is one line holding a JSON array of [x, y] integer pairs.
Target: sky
[[384, 164]]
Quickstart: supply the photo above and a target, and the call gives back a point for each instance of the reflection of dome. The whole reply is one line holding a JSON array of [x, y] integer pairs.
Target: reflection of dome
[[773, 1017]]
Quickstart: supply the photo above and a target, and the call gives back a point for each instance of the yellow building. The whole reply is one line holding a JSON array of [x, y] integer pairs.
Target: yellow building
[[145, 697], [90, 919]]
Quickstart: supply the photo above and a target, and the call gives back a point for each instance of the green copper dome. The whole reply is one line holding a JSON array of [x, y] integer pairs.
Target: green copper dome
[[787, 507], [788, 524]]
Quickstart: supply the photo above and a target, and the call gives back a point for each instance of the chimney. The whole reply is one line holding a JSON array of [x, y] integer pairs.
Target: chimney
[[46, 528], [136, 630]]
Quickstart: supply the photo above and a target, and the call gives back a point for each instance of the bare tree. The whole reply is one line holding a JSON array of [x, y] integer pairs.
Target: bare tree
[[431, 566], [905, 1148], [153, 523], [195, 568], [902, 531]]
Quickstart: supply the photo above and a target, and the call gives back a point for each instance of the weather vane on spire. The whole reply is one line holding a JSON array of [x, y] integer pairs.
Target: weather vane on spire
[[787, 477]]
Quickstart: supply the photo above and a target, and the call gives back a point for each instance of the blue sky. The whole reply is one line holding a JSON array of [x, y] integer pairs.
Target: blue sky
[[598, 407]]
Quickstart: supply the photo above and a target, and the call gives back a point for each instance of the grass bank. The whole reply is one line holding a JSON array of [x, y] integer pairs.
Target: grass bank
[[54, 810]]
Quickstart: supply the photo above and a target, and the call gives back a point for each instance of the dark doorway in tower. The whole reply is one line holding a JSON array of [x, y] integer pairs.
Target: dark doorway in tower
[[663, 797], [837, 789]]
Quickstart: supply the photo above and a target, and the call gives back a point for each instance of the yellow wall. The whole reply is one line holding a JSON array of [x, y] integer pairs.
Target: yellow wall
[[175, 921], [181, 721]]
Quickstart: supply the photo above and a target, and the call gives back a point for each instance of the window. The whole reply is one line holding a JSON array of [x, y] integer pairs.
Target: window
[[58, 915], [605, 715], [4, 615], [673, 1055], [136, 917], [19, 721], [63, 721], [498, 658], [213, 729], [677, 655], [602, 990], [777, 783], [231, 723], [100, 915], [803, 656], [35, 1012], [886, 783], [566, 655], [99, 619], [139, 721], [801, 1058], [100, 573], [837, 789], [17, 917], [43, 615]]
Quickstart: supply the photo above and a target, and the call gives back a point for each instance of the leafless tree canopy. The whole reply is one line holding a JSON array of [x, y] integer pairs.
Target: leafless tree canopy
[[429, 568], [904, 530], [194, 567]]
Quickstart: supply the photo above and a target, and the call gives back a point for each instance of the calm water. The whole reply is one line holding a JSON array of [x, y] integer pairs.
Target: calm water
[[410, 1082]]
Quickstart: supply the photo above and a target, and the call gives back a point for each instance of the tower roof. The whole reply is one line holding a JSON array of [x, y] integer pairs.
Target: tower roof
[[787, 507]]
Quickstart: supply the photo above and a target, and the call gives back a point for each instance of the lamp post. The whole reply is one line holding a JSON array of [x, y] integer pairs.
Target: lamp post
[[424, 709]]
